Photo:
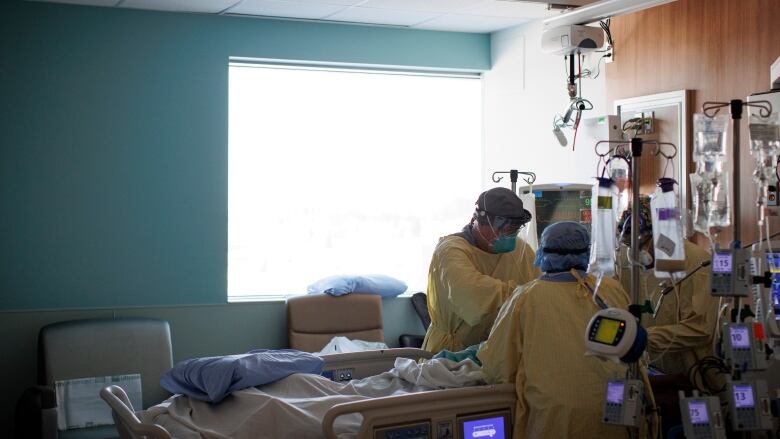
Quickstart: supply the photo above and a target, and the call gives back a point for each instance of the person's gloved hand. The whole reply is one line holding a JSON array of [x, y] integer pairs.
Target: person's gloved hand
[[470, 353]]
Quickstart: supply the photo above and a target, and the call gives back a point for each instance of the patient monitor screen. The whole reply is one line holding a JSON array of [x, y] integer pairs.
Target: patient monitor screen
[[553, 206], [489, 427]]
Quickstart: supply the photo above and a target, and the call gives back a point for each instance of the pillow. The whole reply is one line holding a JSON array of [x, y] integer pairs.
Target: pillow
[[377, 284]]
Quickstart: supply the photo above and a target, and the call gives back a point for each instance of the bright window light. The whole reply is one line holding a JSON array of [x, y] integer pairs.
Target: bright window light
[[345, 172]]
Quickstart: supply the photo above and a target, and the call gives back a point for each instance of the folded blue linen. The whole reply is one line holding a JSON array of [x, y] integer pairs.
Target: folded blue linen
[[213, 378]]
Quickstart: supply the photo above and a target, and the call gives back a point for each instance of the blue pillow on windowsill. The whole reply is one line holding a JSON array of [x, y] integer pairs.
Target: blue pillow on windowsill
[[377, 284]]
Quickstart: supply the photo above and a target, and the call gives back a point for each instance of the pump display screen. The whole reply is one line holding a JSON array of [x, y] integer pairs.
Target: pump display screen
[[721, 262], [743, 396], [773, 262], [615, 392], [491, 428], [739, 337], [607, 330], [697, 410]]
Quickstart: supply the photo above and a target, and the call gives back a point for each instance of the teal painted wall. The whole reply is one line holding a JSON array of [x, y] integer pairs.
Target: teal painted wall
[[196, 331], [113, 143]]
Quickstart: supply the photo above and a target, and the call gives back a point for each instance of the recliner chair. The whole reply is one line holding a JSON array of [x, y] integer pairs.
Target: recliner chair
[[93, 348], [314, 319]]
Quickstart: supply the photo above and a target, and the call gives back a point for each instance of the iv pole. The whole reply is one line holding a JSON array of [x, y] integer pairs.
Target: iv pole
[[635, 308], [513, 174]]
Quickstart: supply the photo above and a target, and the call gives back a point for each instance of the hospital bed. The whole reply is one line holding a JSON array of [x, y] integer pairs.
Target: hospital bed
[[442, 414]]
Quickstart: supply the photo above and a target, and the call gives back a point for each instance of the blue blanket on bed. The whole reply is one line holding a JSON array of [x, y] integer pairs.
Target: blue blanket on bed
[[213, 378]]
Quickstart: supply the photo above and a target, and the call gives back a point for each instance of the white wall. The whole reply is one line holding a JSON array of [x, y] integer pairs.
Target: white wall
[[523, 91]]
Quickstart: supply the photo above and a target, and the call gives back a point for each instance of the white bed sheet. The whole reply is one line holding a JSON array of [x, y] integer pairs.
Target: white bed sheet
[[294, 406]]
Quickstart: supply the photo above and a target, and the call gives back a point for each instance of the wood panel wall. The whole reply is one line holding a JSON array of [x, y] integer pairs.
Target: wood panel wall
[[720, 49]]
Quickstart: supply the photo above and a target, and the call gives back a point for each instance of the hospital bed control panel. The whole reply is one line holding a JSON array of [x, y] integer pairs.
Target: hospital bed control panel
[[488, 425], [421, 430], [339, 375]]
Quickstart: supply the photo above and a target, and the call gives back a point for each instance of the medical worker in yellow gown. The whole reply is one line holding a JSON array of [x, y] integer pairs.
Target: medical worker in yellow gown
[[538, 343], [681, 333], [472, 273]]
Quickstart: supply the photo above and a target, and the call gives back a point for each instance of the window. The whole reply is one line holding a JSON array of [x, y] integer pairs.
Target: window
[[336, 171]]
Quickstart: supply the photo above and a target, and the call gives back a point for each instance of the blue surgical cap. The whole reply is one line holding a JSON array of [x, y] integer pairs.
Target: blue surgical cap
[[563, 246]]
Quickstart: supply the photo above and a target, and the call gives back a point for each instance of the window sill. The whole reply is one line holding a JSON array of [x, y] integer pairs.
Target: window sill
[[279, 298]]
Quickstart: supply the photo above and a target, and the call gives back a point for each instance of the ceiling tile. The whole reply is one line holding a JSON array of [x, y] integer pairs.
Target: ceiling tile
[[392, 17], [441, 6], [85, 2], [470, 23], [288, 9], [207, 6], [497, 8]]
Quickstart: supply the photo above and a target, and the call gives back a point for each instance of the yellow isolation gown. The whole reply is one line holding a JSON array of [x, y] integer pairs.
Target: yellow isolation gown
[[538, 343], [467, 286], [682, 331]]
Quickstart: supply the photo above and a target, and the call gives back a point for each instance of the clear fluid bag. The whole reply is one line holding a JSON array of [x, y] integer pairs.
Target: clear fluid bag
[[709, 136], [765, 146], [668, 234], [603, 227], [710, 202]]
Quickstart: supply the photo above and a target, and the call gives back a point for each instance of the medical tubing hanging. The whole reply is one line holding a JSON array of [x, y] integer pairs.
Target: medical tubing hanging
[[529, 178], [710, 109], [765, 149]]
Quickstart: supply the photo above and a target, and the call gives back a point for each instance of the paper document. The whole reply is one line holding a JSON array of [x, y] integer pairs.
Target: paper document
[[79, 404]]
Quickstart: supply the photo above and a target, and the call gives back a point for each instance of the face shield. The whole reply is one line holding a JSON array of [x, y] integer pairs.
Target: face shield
[[504, 230]]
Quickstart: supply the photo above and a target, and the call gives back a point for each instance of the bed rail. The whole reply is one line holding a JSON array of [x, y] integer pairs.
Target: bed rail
[[437, 407], [127, 424], [357, 365]]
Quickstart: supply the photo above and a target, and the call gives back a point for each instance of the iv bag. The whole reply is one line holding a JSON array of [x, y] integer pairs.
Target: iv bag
[[603, 227], [528, 234], [618, 170], [710, 201], [710, 136], [668, 237], [765, 146]]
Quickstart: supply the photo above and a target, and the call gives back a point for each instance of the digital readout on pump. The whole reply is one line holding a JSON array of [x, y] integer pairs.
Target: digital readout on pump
[[773, 262], [739, 337], [697, 410], [721, 262], [615, 391], [608, 331], [743, 396]]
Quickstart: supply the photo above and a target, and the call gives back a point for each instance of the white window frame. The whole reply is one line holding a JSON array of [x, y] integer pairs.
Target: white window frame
[[358, 68]]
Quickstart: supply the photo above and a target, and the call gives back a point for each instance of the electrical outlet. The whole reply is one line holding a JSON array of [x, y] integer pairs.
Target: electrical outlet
[[648, 122], [609, 56]]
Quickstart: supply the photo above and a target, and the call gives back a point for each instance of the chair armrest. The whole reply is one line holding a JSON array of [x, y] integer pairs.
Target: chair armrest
[[36, 413]]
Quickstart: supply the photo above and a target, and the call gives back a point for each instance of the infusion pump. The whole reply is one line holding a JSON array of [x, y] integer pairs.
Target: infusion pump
[[767, 299]]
